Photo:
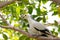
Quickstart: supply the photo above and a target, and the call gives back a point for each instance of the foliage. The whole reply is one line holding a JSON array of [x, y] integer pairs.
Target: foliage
[[13, 12]]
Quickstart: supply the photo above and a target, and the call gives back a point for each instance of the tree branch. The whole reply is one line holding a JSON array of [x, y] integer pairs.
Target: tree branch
[[56, 1], [16, 29], [2, 4], [29, 35]]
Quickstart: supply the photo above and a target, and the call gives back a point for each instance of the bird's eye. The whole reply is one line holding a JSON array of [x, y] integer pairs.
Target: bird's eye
[[25, 15]]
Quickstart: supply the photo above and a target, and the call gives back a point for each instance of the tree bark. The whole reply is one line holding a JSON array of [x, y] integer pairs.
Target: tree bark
[[29, 35], [4, 3], [56, 1]]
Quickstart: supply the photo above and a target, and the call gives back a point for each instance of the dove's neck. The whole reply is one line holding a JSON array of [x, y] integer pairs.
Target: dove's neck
[[31, 21]]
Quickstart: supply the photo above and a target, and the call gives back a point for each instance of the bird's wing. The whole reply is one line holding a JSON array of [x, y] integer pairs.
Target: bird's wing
[[45, 31], [39, 26]]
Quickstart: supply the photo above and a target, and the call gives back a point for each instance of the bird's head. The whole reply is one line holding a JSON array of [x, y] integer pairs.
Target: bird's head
[[25, 16]]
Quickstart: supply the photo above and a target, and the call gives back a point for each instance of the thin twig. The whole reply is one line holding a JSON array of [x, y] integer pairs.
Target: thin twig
[[56, 1], [16, 29], [4, 20], [3, 4], [29, 35]]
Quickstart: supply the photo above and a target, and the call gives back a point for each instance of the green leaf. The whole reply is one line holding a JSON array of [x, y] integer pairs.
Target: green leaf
[[25, 1], [39, 0], [33, 16], [38, 11], [5, 37], [56, 23], [59, 28], [23, 25], [53, 31], [30, 9], [56, 33], [18, 10], [22, 37], [55, 13], [38, 19], [44, 19], [27, 38], [44, 1]]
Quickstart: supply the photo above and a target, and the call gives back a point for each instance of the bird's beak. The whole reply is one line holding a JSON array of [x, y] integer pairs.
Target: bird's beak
[[21, 16]]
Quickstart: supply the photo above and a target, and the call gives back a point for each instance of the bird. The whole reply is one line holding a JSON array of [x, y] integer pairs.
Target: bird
[[36, 28]]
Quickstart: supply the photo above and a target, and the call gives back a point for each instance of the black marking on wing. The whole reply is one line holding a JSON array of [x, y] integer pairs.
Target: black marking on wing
[[45, 31], [44, 35]]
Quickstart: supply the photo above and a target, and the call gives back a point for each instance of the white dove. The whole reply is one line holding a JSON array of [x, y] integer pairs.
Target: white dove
[[36, 28]]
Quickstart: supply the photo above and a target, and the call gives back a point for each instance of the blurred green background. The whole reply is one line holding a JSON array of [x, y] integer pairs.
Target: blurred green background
[[43, 11]]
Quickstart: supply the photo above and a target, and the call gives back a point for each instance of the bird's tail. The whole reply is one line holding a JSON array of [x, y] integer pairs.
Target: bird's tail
[[50, 34]]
